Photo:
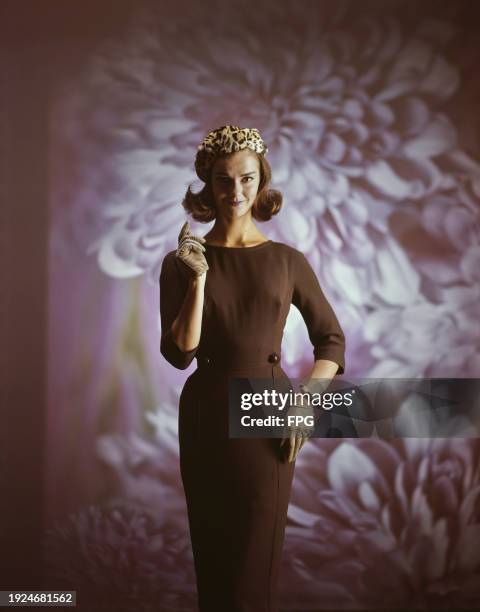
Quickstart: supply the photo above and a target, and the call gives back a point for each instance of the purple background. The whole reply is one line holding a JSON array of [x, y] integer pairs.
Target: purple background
[[370, 112]]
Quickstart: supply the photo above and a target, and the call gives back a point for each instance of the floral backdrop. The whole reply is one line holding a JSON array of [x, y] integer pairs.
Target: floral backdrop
[[370, 112]]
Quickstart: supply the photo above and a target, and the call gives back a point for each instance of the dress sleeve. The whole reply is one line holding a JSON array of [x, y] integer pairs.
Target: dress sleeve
[[324, 330], [173, 288]]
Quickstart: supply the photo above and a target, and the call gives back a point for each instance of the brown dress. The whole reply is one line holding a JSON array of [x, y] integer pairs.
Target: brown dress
[[237, 490]]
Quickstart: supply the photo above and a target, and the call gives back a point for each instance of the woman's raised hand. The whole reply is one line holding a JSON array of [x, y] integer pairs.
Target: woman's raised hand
[[190, 250]]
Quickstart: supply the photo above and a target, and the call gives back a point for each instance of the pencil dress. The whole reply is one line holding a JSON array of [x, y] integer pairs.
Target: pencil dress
[[237, 489]]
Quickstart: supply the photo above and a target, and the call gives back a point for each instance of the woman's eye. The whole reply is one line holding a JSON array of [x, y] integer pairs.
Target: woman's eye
[[226, 180]]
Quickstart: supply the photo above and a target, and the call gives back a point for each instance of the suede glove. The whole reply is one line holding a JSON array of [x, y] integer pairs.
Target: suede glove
[[298, 434], [190, 251]]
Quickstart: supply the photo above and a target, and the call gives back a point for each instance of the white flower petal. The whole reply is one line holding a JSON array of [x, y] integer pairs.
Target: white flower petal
[[368, 497], [114, 255], [395, 368], [460, 227], [349, 281], [301, 517], [381, 175], [378, 321], [436, 138], [393, 277], [348, 467], [441, 272], [412, 114], [442, 80]]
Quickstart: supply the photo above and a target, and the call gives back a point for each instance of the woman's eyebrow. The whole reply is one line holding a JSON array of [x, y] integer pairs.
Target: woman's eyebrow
[[223, 173]]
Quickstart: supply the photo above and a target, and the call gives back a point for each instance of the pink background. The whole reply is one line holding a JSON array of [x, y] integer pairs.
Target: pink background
[[370, 112]]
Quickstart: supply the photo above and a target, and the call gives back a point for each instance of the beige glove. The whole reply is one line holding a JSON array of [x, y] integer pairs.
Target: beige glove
[[297, 435], [190, 250]]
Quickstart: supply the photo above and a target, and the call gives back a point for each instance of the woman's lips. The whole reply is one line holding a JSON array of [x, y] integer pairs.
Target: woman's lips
[[236, 203]]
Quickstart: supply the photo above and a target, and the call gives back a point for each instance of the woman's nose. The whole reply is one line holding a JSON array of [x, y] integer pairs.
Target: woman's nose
[[236, 192]]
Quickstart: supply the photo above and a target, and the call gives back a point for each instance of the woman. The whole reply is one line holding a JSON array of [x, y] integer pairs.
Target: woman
[[224, 299]]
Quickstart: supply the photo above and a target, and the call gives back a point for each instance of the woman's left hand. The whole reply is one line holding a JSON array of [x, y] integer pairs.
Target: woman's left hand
[[296, 441], [298, 434]]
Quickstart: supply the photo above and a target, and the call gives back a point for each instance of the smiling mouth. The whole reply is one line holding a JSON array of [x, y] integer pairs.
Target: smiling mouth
[[236, 203]]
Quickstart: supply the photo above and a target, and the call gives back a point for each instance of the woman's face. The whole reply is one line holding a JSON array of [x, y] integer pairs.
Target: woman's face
[[235, 181]]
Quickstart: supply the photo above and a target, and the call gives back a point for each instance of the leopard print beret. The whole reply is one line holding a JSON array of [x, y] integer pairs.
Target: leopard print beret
[[226, 139]]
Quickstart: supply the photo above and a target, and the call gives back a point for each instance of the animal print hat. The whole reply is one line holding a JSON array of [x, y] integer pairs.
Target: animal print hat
[[226, 139]]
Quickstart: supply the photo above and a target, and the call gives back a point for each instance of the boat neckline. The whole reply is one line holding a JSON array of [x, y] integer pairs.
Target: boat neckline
[[239, 248]]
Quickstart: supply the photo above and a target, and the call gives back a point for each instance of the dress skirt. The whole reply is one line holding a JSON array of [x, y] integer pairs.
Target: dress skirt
[[237, 492]]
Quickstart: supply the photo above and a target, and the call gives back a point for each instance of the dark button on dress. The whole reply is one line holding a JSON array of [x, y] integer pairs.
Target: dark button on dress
[[237, 490]]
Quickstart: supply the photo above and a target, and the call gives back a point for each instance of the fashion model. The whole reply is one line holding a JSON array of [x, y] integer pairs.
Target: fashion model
[[224, 299]]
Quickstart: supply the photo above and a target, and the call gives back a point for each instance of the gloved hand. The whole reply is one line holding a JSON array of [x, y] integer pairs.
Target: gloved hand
[[190, 250], [298, 434]]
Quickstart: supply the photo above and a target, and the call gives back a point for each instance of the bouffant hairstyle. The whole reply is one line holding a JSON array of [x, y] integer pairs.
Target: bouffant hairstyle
[[268, 202]]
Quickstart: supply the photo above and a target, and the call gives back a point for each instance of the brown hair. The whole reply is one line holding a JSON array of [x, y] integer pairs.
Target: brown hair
[[268, 202]]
